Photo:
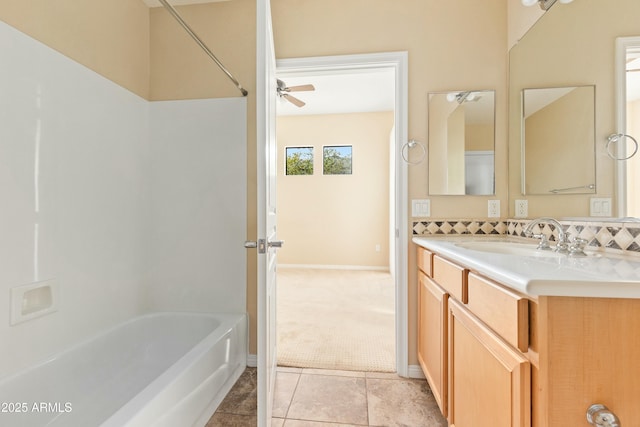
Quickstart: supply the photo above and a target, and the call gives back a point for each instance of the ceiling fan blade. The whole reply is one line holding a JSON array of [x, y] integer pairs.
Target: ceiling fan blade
[[292, 99], [301, 88]]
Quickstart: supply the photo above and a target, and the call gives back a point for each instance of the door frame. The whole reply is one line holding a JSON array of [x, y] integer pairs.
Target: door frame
[[399, 62]]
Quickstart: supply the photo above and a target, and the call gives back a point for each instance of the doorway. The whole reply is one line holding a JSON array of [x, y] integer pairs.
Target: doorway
[[382, 256]]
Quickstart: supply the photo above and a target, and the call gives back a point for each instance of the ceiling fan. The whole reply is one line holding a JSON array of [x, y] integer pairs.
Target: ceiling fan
[[283, 92]]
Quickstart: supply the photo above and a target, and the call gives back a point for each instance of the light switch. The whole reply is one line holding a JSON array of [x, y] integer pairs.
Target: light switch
[[420, 208], [600, 206]]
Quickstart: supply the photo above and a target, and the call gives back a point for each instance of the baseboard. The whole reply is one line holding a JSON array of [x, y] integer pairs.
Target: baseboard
[[415, 371], [334, 267], [252, 360]]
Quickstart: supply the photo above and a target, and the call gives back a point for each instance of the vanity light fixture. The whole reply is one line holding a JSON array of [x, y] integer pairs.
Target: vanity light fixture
[[461, 97], [544, 4]]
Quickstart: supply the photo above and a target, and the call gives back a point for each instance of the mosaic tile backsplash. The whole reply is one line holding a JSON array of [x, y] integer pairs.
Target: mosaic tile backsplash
[[612, 236]]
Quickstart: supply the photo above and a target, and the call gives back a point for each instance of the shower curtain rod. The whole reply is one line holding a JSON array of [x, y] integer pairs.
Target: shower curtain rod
[[204, 47]]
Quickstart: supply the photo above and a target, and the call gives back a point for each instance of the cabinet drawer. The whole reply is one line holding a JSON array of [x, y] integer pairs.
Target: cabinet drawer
[[451, 277], [504, 311], [424, 261]]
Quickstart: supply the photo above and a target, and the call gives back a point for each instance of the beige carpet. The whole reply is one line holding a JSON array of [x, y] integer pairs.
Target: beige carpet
[[336, 319]]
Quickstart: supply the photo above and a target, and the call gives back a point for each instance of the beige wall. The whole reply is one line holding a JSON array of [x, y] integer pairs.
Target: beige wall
[[479, 137], [521, 19], [110, 37], [471, 57], [336, 219], [179, 67]]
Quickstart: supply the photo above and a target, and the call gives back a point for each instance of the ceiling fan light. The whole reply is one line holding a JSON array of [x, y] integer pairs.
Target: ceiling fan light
[[529, 2], [565, 1]]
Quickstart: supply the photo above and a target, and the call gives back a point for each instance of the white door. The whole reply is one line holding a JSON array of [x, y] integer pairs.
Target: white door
[[266, 97]]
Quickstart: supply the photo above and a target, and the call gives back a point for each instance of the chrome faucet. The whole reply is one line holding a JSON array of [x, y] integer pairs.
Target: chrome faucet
[[562, 245]]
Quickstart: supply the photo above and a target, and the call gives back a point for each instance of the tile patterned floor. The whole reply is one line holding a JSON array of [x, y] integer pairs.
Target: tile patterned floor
[[326, 398]]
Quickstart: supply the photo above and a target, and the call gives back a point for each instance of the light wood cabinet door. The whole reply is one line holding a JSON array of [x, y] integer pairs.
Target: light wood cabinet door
[[432, 336], [489, 381]]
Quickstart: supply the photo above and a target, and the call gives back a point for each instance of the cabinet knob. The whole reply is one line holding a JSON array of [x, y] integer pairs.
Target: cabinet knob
[[599, 415]]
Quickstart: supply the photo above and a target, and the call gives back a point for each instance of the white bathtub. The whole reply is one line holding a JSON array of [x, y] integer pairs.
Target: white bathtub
[[163, 369]]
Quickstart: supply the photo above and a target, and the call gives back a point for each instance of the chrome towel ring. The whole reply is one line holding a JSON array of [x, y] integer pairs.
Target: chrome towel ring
[[616, 137], [405, 153]]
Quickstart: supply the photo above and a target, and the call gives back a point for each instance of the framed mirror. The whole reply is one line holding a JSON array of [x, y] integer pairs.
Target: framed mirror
[[462, 142], [573, 45], [558, 133]]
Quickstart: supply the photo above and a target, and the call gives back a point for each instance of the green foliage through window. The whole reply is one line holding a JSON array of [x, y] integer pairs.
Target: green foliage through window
[[299, 161], [336, 160]]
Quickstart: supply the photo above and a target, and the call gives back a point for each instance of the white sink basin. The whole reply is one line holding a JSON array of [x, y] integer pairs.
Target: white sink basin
[[509, 248]]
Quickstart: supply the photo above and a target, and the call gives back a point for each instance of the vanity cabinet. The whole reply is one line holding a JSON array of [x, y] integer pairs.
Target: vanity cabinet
[[432, 348], [477, 378], [489, 381], [432, 316], [495, 357]]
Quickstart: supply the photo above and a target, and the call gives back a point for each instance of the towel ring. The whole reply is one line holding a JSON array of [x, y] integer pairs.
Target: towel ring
[[615, 137], [412, 143]]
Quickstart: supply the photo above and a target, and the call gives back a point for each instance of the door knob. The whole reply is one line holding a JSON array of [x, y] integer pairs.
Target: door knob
[[262, 245]]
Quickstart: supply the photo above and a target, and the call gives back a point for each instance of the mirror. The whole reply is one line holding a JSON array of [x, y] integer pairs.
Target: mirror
[[572, 45], [628, 118], [462, 143], [558, 130]]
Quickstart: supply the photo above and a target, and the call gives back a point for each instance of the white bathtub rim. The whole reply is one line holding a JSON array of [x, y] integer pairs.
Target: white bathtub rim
[[138, 402], [51, 358]]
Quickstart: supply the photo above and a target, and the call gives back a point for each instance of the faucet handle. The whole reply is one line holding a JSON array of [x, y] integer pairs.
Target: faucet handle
[[577, 245], [544, 242], [562, 245]]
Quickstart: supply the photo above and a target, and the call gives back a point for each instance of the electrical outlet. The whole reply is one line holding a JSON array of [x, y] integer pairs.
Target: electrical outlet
[[493, 209], [522, 208]]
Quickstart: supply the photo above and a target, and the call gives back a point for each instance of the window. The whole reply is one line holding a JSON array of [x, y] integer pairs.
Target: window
[[299, 161], [336, 160]]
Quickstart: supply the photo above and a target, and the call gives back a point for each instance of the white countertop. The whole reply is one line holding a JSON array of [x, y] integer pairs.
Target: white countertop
[[606, 275]]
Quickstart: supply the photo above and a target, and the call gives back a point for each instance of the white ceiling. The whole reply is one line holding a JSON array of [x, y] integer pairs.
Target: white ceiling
[[341, 92]]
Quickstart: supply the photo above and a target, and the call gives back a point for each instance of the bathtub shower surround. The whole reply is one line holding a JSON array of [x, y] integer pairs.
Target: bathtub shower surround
[[73, 167], [197, 206], [117, 205]]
